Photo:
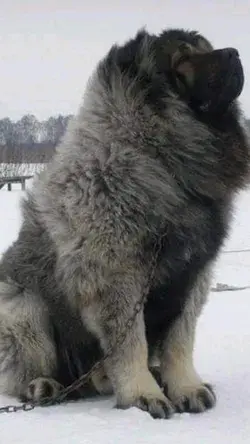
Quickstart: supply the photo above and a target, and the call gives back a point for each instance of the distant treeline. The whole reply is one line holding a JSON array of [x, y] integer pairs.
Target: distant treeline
[[32, 141], [29, 140]]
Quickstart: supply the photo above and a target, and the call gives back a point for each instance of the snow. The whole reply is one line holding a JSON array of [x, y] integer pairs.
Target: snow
[[222, 357]]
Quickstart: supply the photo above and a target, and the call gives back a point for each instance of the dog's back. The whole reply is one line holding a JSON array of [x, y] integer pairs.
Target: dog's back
[[28, 286]]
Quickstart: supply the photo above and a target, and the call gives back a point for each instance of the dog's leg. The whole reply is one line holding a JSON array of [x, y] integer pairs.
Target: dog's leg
[[27, 353], [101, 382], [183, 385], [127, 368]]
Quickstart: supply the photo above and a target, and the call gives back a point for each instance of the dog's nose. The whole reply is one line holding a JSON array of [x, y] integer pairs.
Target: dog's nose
[[230, 53]]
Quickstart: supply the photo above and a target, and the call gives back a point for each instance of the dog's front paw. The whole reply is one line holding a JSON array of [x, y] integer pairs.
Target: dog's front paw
[[193, 399], [157, 407]]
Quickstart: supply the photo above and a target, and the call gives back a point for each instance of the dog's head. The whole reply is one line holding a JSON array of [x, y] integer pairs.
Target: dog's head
[[209, 80], [176, 62]]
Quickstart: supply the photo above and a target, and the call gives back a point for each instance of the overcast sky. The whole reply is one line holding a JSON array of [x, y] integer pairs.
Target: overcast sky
[[49, 48]]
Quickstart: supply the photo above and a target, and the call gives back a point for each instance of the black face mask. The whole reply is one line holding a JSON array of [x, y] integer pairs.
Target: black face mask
[[211, 81]]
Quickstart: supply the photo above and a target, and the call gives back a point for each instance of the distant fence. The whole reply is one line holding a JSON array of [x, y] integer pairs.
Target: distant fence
[[12, 173], [20, 169], [17, 179]]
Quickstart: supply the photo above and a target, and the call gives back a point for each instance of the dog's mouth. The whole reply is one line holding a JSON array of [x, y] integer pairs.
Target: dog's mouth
[[210, 81]]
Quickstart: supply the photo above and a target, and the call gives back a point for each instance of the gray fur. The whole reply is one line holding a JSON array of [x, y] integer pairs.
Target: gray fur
[[119, 180]]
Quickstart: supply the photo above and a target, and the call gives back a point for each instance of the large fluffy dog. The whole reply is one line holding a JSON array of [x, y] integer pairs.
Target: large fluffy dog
[[154, 157]]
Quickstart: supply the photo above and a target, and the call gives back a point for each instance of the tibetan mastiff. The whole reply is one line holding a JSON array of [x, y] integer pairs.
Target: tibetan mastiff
[[152, 161]]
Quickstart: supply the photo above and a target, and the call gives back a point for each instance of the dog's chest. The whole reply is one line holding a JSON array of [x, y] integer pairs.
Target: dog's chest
[[184, 253]]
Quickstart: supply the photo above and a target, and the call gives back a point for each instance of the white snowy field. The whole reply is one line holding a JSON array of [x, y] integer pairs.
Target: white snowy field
[[222, 357]]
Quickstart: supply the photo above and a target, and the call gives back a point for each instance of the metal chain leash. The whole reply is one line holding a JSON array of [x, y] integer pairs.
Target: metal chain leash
[[60, 397]]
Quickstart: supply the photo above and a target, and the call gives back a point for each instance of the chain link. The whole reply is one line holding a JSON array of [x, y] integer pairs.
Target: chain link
[[60, 397]]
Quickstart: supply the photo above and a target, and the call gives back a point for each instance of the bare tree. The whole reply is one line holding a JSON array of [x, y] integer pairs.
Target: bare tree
[[27, 145]]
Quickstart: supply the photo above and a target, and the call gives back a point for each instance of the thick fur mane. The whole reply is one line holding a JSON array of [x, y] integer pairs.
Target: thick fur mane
[[134, 128]]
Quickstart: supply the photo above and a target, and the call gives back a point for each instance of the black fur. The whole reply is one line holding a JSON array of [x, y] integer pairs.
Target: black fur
[[202, 242]]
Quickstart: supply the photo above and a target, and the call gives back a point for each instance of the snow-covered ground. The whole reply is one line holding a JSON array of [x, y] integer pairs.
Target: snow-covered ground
[[222, 356]]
